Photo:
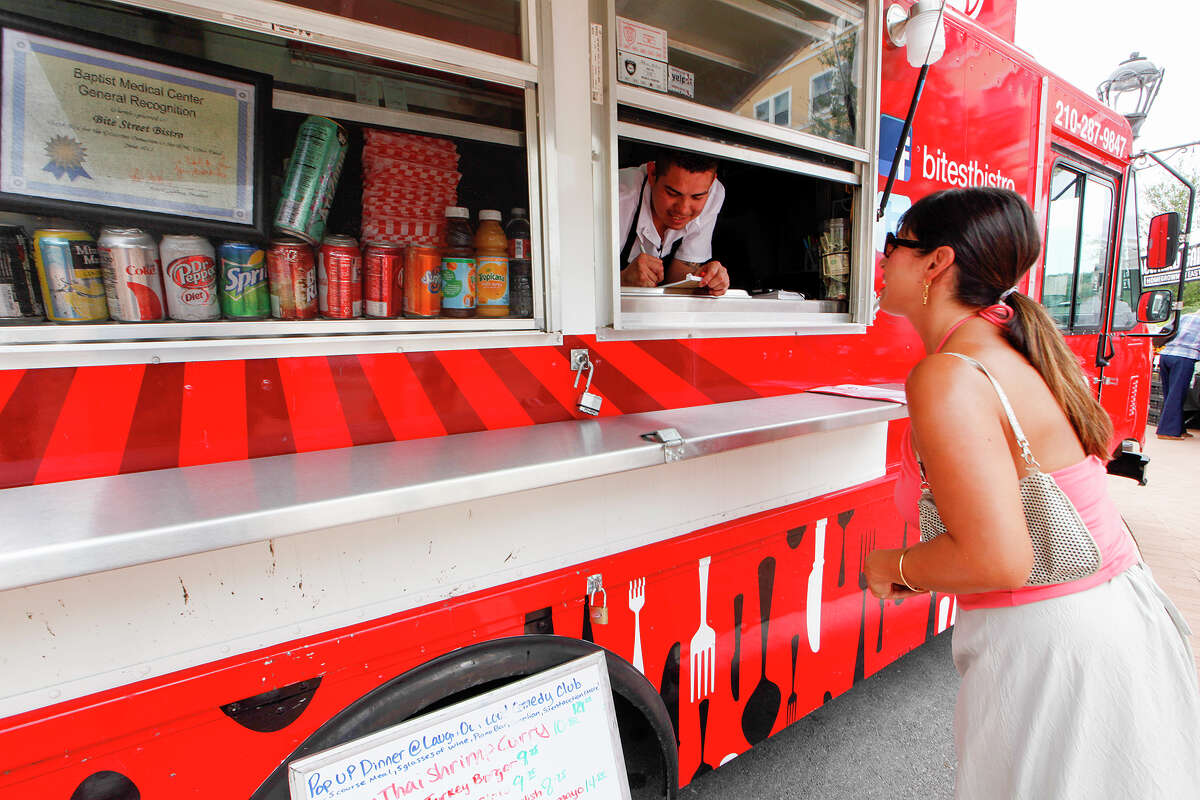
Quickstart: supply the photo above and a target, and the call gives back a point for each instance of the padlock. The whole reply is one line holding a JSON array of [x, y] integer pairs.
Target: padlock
[[588, 403], [598, 614]]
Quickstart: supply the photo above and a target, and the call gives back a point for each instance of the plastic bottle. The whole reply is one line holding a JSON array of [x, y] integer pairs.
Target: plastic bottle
[[520, 266], [458, 265], [491, 266]]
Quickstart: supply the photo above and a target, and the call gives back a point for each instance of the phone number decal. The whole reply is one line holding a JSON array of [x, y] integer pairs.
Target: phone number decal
[[1091, 128]]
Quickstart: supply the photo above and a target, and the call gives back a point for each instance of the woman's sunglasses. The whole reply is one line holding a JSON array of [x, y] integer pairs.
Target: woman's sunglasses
[[892, 241]]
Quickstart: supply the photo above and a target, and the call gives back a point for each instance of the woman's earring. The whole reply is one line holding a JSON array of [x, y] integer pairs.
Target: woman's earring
[[925, 294]]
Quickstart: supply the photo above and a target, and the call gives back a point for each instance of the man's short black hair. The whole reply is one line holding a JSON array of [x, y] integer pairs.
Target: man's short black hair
[[687, 161]]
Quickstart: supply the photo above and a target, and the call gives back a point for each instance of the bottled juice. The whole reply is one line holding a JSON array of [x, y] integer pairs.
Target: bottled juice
[[520, 268], [458, 265], [491, 266]]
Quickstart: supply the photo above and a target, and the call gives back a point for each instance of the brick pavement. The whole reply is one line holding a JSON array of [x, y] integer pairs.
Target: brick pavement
[[1164, 516]]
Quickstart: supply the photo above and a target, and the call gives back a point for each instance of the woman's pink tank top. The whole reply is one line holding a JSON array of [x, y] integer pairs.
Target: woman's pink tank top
[[1085, 484]]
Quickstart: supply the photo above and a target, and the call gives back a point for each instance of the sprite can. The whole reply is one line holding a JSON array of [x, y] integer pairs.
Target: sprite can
[[312, 178], [244, 292]]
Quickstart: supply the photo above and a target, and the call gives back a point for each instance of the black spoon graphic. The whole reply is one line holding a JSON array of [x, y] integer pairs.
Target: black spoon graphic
[[843, 520], [735, 667], [795, 536], [762, 708]]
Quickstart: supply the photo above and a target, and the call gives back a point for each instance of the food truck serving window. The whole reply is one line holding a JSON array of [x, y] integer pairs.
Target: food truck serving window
[[340, 201], [739, 158]]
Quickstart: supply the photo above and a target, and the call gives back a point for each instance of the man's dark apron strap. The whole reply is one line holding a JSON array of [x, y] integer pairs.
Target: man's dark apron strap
[[631, 234]]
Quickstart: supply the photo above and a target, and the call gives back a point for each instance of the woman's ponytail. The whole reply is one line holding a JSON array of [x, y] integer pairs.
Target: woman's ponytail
[[1035, 336]]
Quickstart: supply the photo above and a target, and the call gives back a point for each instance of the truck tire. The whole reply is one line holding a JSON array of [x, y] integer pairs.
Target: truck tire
[[653, 771]]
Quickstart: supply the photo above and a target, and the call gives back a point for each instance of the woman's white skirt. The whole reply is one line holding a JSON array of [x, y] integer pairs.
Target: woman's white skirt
[[1091, 695]]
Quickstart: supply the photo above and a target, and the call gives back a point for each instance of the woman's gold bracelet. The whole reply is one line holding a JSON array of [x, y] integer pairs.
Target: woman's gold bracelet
[[904, 580]]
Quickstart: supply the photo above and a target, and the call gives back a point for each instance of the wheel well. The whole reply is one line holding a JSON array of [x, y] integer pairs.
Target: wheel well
[[472, 670]]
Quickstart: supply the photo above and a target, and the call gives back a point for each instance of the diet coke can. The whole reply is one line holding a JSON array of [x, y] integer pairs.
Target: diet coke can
[[383, 279], [132, 275], [339, 278], [292, 273], [190, 265]]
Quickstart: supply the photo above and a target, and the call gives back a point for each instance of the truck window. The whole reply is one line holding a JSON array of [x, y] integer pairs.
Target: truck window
[[1077, 235], [1129, 284], [774, 96], [417, 140], [493, 26]]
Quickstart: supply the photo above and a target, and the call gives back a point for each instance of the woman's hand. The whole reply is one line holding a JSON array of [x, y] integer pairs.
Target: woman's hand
[[883, 576]]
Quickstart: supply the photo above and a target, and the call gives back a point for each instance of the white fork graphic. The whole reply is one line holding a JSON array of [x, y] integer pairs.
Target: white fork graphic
[[704, 644], [637, 599]]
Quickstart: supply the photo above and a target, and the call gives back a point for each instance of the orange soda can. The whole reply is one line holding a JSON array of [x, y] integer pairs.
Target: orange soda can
[[422, 282]]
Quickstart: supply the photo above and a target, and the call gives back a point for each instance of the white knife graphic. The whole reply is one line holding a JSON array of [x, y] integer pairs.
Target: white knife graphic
[[813, 607]]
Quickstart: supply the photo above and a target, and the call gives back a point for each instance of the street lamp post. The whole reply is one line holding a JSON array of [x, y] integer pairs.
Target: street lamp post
[[1131, 89]]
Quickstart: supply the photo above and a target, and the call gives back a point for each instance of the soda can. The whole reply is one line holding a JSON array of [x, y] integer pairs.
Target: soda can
[[190, 265], [68, 267], [20, 292], [422, 282], [132, 275], [292, 271], [383, 279], [339, 278], [244, 292], [312, 178]]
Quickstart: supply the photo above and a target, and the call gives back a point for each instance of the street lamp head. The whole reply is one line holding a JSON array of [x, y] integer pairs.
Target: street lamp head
[[1131, 88]]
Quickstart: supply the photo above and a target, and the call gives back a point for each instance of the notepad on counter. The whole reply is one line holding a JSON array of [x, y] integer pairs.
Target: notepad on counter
[[889, 394]]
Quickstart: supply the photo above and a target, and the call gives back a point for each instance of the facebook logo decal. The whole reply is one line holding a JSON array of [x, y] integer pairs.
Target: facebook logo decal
[[889, 136]]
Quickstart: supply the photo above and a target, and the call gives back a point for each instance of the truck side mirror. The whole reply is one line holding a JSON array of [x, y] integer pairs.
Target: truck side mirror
[[1154, 306], [1164, 241]]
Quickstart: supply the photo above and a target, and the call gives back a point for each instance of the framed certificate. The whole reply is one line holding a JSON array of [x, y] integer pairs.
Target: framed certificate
[[114, 131]]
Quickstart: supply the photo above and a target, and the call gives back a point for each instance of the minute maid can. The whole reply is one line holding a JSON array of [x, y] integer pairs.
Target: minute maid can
[[68, 266], [244, 290]]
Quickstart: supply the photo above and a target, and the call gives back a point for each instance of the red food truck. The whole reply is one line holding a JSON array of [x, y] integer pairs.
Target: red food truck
[[229, 543]]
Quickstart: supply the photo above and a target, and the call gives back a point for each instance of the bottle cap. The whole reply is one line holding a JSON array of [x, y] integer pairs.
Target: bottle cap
[[490, 213], [517, 212], [458, 212]]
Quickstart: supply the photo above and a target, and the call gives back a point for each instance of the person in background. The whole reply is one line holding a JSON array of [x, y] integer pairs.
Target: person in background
[[1176, 364], [666, 213], [1079, 689]]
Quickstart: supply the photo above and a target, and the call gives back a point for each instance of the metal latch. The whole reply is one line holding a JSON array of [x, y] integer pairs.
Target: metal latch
[[588, 403], [671, 441]]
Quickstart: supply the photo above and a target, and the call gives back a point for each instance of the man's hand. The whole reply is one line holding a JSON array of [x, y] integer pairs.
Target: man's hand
[[715, 277], [645, 270]]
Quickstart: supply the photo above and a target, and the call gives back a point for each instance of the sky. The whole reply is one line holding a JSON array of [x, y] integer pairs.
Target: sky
[[1083, 41]]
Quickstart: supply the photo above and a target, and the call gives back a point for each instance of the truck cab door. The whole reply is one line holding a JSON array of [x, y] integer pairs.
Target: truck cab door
[[1125, 384], [1079, 226]]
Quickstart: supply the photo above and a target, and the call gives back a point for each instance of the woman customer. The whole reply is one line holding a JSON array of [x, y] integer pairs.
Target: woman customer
[[1078, 689]]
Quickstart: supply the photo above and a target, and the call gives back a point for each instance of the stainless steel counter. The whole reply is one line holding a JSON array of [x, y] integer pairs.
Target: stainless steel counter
[[62, 530]]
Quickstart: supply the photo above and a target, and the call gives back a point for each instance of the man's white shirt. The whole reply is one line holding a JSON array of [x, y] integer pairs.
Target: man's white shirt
[[697, 234]]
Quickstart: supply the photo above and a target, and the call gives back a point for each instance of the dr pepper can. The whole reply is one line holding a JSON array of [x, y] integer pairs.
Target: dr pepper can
[[190, 276]]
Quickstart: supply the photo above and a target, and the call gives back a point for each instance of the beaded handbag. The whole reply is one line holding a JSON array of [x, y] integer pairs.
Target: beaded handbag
[[1063, 549]]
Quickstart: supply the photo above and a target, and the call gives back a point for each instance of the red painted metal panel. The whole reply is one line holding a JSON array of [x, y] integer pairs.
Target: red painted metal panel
[[213, 422], [405, 404], [268, 424], [93, 426], [28, 420], [494, 399], [313, 404]]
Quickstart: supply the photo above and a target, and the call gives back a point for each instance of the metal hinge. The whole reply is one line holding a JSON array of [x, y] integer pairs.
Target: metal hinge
[[595, 583], [671, 441]]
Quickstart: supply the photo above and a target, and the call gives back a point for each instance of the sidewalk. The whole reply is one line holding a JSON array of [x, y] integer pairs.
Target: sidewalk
[[1164, 516]]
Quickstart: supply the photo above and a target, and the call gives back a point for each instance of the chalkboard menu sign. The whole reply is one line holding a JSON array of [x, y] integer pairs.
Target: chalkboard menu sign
[[551, 736]]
